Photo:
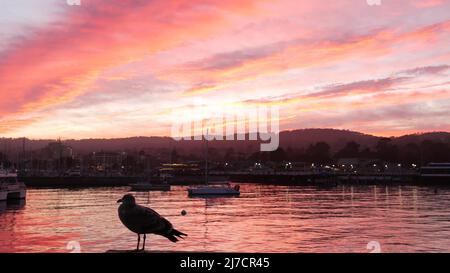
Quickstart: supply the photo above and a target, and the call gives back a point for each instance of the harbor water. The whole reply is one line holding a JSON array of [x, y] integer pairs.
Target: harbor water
[[265, 218]]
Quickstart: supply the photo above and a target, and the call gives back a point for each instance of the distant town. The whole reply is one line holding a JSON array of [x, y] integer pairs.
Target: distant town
[[351, 152]]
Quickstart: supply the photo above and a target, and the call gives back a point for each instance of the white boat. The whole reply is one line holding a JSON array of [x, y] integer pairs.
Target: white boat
[[213, 189], [216, 189], [10, 187]]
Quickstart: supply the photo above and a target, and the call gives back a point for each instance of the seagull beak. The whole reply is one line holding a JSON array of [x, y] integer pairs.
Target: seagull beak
[[119, 201]]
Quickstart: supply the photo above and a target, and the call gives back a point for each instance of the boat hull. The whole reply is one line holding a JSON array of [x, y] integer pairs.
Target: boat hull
[[207, 191], [150, 187], [12, 194]]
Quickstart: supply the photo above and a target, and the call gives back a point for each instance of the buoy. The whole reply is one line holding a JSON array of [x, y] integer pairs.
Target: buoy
[[183, 212]]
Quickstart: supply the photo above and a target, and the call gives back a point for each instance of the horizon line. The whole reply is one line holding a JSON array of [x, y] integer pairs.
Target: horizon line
[[165, 136]]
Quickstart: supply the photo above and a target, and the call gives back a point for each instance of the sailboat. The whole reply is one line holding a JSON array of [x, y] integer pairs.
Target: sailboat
[[213, 189]]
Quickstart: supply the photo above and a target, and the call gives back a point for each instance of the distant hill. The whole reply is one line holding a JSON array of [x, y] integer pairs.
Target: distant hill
[[335, 138], [294, 139], [418, 138]]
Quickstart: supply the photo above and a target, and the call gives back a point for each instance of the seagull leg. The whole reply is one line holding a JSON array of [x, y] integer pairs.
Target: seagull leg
[[139, 240], [143, 246]]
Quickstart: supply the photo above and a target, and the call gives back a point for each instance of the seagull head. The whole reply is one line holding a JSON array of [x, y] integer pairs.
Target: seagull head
[[127, 199]]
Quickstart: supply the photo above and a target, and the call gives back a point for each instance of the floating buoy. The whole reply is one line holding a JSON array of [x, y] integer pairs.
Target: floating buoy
[[183, 212]]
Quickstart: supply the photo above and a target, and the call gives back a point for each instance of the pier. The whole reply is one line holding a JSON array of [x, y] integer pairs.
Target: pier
[[78, 181], [310, 178], [279, 178]]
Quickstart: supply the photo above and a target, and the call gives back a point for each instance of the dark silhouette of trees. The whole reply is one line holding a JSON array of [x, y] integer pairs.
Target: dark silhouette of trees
[[290, 153], [279, 155], [259, 157], [410, 154], [4, 161], [319, 152], [433, 151], [174, 157], [386, 151], [230, 155], [351, 150], [367, 153]]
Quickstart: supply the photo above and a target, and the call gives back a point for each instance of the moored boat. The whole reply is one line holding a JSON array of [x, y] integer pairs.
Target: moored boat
[[150, 187], [151, 184], [10, 187], [213, 189]]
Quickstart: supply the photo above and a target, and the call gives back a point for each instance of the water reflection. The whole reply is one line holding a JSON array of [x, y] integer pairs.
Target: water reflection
[[265, 218]]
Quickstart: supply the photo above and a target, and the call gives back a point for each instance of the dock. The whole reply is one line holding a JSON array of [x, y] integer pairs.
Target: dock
[[78, 181], [276, 178]]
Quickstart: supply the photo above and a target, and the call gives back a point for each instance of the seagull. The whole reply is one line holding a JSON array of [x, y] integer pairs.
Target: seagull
[[143, 220]]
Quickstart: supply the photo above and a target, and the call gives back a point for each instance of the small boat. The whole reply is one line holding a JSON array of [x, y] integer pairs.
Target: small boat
[[150, 187], [215, 189], [10, 187]]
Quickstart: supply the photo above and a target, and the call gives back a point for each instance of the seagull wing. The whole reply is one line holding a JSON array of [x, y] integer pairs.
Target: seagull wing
[[153, 222], [160, 225]]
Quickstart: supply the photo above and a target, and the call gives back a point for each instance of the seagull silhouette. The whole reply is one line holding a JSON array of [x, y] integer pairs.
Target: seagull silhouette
[[143, 220]]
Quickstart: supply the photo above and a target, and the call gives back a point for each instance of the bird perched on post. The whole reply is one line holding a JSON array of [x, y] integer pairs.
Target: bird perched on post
[[142, 221]]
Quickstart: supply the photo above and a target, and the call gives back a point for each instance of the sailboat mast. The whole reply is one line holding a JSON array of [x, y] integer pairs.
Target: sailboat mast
[[206, 157]]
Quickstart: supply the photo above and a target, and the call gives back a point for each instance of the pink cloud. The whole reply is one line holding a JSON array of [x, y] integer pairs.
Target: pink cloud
[[56, 64]]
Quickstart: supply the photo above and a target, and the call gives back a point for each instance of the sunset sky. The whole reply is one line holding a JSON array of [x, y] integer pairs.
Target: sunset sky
[[118, 68]]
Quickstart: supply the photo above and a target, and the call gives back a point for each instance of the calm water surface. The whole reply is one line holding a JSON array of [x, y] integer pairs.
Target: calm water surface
[[263, 219]]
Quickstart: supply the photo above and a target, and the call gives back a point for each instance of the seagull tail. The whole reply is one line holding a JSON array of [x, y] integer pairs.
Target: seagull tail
[[174, 235]]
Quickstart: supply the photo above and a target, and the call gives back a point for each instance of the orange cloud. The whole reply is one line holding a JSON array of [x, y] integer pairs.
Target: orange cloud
[[14, 124], [427, 3], [56, 64]]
